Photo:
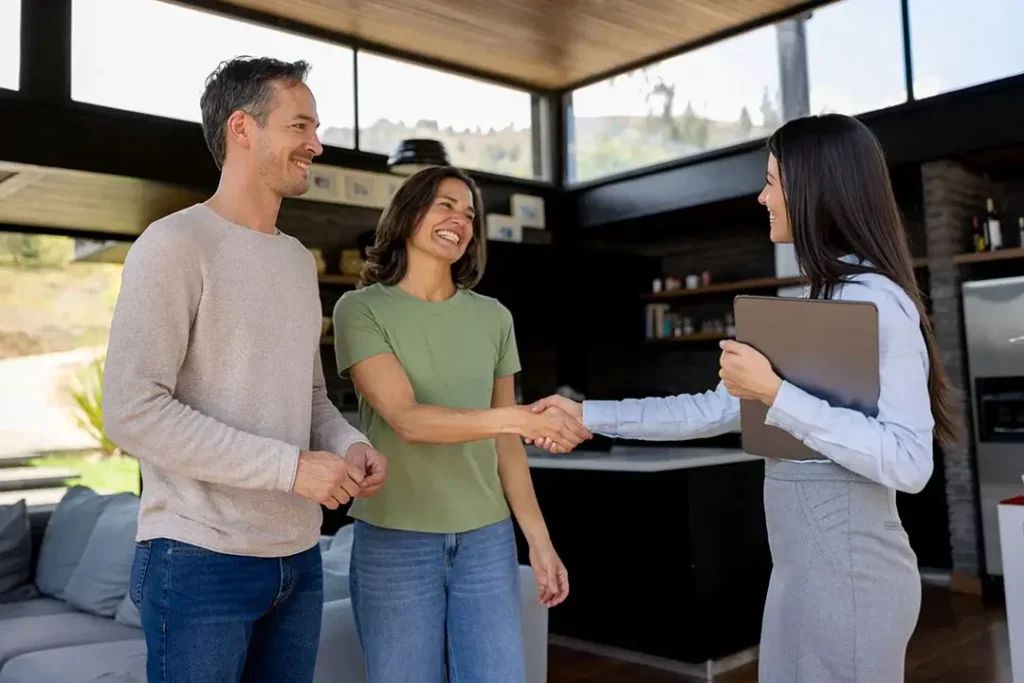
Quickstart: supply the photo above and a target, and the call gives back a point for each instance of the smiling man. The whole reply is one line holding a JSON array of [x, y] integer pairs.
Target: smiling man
[[214, 382]]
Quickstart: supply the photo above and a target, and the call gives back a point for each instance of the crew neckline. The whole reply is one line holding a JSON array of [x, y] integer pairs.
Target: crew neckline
[[259, 233], [397, 291]]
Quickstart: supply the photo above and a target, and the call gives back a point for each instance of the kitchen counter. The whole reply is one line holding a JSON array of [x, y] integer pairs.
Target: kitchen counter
[[636, 458], [655, 535]]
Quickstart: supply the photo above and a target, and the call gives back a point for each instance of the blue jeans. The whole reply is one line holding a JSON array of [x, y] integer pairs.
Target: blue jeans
[[215, 618], [436, 607]]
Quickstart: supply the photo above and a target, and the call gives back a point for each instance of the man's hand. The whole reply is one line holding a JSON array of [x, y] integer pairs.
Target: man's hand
[[563, 405], [326, 478], [371, 463]]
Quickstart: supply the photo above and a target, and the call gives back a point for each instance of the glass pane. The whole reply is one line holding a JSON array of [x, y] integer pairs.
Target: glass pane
[[55, 313], [956, 44], [162, 63], [484, 126], [713, 97], [10, 44], [875, 79]]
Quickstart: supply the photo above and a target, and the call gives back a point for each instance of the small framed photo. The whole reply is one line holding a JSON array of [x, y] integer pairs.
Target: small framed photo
[[529, 210], [504, 228]]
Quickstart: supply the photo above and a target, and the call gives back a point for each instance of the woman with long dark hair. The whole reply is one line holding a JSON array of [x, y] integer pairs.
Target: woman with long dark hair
[[434, 573], [845, 591]]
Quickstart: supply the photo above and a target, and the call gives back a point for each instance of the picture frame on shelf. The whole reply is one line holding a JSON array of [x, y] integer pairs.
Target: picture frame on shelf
[[529, 210], [503, 228]]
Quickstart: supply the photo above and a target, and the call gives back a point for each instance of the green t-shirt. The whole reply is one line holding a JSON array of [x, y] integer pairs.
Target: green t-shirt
[[452, 351]]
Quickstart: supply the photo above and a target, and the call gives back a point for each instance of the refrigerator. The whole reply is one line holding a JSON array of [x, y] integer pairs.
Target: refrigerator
[[994, 330]]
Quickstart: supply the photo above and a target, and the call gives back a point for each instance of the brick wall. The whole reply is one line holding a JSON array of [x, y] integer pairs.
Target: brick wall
[[952, 194]]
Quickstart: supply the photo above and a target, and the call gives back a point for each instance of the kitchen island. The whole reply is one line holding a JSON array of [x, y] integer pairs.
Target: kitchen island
[[666, 551]]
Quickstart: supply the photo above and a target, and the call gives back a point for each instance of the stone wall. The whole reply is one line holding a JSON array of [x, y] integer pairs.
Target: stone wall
[[952, 195]]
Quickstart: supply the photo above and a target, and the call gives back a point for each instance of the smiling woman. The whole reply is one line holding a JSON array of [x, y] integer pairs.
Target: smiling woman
[[433, 364]]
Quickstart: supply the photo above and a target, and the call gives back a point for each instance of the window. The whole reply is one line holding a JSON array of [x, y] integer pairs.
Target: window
[[843, 76], [55, 314], [956, 44], [10, 44], [712, 97], [160, 66], [484, 126]]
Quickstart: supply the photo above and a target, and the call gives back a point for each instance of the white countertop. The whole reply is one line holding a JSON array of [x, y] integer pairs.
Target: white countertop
[[637, 458]]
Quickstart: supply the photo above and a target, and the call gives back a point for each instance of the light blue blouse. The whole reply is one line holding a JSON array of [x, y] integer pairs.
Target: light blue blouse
[[893, 448]]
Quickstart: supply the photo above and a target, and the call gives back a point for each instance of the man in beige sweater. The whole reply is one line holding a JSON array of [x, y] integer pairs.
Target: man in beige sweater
[[214, 382]]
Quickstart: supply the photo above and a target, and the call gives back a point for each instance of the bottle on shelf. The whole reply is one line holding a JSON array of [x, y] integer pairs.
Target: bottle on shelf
[[978, 234], [992, 226], [1020, 230]]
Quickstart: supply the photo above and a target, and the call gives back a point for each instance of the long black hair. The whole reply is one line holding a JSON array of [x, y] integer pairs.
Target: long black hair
[[840, 202]]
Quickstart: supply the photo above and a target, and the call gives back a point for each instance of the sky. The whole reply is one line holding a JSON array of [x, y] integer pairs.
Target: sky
[[854, 58]]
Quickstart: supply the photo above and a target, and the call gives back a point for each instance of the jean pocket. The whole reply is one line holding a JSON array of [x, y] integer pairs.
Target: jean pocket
[[138, 573]]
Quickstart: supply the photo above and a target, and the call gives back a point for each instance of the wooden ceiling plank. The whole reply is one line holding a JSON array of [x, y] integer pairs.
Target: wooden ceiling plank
[[546, 43]]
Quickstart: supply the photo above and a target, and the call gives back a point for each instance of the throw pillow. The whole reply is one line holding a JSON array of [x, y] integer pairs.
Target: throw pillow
[[67, 533], [99, 582], [15, 553], [127, 613]]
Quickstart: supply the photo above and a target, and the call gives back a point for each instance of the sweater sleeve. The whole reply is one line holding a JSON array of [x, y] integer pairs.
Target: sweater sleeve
[[330, 430], [161, 288]]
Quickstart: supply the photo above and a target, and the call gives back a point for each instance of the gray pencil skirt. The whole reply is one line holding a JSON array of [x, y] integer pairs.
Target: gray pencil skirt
[[845, 591]]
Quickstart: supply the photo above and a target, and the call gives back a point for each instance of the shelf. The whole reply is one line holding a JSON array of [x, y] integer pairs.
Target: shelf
[[737, 286], [338, 279], [696, 337], [998, 255], [744, 285]]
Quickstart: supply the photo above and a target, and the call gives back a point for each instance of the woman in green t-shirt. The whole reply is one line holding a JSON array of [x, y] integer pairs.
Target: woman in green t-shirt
[[434, 574]]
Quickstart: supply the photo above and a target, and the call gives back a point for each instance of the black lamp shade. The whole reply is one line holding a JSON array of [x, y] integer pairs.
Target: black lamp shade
[[416, 154]]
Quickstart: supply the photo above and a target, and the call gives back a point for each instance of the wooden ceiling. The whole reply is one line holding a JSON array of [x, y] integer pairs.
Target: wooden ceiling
[[544, 43]]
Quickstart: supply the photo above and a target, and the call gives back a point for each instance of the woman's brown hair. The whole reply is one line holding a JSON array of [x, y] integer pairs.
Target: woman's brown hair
[[840, 201], [387, 259]]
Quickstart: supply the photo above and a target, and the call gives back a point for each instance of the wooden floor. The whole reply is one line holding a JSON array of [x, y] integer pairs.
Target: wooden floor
[[959, 639]]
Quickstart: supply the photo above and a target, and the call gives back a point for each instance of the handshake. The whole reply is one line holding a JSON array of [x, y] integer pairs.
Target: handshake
[[555, 424], [332, 480]]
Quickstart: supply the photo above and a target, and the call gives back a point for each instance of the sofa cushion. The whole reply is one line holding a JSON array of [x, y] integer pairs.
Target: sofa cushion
[[35, 607], [66, 536], [33, 634], [339, 659], [15, 553], [336, 559], [123, 662], [100, 581]]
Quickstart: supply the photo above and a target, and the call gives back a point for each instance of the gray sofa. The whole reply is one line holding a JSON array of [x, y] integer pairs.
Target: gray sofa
[[65, 616]]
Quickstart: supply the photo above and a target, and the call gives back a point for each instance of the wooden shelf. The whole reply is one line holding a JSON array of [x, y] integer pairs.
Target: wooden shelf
[[744, 285], [737, 286], [338, 279], [696, 337], [998, 255]]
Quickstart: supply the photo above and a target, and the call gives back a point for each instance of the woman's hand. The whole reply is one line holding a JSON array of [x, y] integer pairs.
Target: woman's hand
[[552, 578], [747, 374], [568, 406], [551, 427]]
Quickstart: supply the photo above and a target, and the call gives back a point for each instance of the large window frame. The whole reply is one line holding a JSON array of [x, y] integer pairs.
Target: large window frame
[[552, 112], [568, 130], [51, 78]]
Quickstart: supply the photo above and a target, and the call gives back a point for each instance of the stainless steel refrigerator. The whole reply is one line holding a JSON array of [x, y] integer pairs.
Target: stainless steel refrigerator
[[994, 329]]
